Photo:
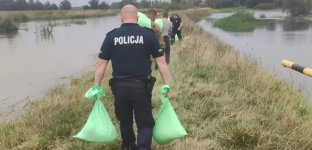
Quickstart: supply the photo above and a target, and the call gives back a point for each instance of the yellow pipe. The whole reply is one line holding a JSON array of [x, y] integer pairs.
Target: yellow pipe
[[296, 67], [287, 63], [307, 71]]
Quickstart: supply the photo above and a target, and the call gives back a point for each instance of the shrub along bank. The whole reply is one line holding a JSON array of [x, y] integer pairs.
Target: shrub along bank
[[222, 99], [241, 21], [8, 26]]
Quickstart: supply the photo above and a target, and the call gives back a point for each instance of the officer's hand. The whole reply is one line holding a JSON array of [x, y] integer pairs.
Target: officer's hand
[[95, 92], [165, 89]]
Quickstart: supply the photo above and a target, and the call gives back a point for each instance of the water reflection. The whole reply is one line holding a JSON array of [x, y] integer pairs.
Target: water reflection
[[296, 26], [270, 26], [274, 41]]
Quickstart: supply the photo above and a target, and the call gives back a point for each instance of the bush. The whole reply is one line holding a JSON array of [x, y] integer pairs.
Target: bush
[[8, 26], [265, 6], [238, 22], [262, 16]]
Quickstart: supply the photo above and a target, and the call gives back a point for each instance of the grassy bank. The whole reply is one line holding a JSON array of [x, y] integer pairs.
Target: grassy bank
[[238, 22], [22, 16], [223, 100], [234, 9]]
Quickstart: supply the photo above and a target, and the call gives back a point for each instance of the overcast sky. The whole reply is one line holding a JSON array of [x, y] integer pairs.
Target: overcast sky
[[76, 3]]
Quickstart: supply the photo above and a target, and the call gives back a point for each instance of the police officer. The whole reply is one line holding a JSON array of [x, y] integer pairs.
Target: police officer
[[176, 30], [129, 48]]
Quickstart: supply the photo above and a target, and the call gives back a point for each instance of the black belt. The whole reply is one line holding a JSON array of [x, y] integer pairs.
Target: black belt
[[130, 84]]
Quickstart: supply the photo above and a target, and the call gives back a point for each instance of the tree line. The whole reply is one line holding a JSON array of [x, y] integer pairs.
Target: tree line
[[294, 7], [22, 5]]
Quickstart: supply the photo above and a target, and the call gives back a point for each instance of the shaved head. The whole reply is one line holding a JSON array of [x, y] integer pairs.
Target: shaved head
[[129, 14]]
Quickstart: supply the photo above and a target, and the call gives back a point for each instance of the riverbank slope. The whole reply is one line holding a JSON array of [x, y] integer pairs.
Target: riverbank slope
[[224, 101], [23, 16]]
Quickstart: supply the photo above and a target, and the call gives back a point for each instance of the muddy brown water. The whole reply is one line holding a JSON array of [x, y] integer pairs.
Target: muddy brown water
[[30, 65], [272, 42]]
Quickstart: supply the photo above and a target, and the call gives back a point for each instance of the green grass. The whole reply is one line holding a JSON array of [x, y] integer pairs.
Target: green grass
[[238, 22], [23, 16], [224, 100], [234, 9]]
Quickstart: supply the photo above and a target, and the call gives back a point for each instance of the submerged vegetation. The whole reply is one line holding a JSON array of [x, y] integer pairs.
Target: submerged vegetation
[[44, 32], [238, 22], [223, 99], [8, 26]]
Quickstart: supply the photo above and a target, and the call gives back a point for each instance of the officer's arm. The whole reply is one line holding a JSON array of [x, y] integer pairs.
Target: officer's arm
[[160, 37], [158, 55], [104, 57], [180, 23]]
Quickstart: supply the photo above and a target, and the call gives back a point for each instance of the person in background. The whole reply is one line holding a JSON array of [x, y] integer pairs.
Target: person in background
[[129, 48], [152, 14], [171, 18], [165, 33], [177, 26]]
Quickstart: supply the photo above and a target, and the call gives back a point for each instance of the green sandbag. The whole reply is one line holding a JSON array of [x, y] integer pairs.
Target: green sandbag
[[99, 126], [167, 125], [144, 21], [160, 23], [177, 38]]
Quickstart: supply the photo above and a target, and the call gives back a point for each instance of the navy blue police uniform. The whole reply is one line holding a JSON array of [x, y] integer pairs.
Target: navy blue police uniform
[[129, 48], [176, 22]]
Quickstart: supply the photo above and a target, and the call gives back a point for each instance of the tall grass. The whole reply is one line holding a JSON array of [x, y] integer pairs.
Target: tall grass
[[238, 22], [224, 100], [23, 16]]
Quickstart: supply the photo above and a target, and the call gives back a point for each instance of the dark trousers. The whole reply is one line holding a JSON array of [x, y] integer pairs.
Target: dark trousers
[[128, 100], [174, 33], [167, 50]]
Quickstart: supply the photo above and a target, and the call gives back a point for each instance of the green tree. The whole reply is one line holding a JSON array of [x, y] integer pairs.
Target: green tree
[[297, 7], [145, 4], [94, 4], [54, 6], [85, 7], [65, 5], [103, 5], [31, 5], [21, 5], [47, 6], [6, 5], [116, 5], [39, 5]]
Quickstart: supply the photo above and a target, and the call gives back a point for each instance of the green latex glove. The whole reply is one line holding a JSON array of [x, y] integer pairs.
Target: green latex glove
[[95, 92], [165, 89]]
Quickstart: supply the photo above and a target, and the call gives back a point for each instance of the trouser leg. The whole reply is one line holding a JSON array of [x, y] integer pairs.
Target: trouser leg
[[167, 50], [179, 34], [144, 118], [124, 113], [174, 32]]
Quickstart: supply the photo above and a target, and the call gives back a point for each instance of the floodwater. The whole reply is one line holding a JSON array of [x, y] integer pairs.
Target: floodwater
[[272, 42], [30, 64]]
